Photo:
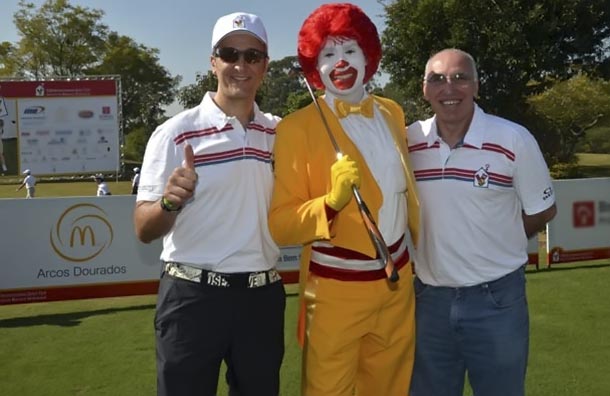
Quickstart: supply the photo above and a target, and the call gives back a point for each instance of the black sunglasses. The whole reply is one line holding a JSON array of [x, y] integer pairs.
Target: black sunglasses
[[231, 55]]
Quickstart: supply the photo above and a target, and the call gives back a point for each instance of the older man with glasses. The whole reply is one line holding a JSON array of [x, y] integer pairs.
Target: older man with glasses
[[205, 188], [485, 189]]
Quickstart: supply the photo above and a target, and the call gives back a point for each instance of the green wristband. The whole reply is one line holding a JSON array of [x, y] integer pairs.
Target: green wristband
[[168, 206]]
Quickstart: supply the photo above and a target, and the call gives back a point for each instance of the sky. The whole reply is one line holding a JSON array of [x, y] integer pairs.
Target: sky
[[182, 29]]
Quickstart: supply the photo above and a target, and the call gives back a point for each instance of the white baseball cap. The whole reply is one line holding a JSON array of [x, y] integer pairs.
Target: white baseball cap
[[26, 172], [238, 22]]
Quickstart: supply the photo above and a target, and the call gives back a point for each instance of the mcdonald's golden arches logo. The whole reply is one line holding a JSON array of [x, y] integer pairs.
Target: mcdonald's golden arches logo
[[81, 233]]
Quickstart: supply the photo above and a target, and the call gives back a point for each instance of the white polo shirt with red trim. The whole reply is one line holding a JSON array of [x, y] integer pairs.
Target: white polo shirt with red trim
[[224, 227], [472, 197]]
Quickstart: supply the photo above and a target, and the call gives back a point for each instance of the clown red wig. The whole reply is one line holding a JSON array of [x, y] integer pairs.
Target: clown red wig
[[341, 20]]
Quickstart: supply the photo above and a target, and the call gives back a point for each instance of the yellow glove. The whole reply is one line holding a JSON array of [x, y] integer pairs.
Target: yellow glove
[[343, 175]]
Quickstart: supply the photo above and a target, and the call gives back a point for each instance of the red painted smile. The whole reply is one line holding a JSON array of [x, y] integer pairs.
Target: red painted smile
[[344, 79]]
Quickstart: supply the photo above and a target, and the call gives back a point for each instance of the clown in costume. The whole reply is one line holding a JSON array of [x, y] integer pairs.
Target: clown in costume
[[357, 327]]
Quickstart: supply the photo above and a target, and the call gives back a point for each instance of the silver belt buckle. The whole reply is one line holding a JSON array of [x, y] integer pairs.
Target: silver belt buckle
[[274, 276], [257, 279], [183, 272], [216, 279]]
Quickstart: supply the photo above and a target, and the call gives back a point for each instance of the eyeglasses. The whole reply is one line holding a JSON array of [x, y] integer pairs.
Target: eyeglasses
[[438, 79], [231, 55]]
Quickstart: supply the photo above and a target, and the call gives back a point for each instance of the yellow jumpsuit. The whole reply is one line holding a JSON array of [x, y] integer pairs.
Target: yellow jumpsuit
[[359, 335]]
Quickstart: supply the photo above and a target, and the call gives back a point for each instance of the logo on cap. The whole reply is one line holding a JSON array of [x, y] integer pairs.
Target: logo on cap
[[239, 22]]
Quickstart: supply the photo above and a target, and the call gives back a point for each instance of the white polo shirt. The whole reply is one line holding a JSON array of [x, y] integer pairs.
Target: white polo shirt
[[30, 181], [472, 196], [224, 228], [136, 180], [102, 189]]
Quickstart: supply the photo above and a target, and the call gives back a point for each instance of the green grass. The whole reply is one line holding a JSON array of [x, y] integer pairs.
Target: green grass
[[570, 327], [56, 189], [106, 346], [95, 347], [587, 159], [594, 165]]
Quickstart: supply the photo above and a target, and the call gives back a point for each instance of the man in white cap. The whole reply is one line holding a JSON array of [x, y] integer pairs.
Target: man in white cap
[[102, 187], [29, 181], [205, 188], [135, 182]]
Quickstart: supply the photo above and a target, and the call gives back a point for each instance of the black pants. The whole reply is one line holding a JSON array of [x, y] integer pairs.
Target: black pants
[[197, 326]]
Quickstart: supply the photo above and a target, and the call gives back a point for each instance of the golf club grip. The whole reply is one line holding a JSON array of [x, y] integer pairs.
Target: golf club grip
[[380, 246]]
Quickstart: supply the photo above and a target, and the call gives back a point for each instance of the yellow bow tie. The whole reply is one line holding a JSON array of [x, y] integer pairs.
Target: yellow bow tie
[[364, 108]]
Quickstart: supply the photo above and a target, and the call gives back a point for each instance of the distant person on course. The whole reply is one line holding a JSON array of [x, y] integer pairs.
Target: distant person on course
[[29, 182], [135, 181], [102, 187]]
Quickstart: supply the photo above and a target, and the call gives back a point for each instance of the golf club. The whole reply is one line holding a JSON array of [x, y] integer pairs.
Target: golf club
[[383, 253]]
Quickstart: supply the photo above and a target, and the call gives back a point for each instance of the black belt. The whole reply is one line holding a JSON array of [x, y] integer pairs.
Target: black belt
[[244, 280]]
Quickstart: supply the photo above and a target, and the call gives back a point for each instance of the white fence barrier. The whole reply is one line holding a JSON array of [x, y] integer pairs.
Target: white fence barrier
[[84, 247]]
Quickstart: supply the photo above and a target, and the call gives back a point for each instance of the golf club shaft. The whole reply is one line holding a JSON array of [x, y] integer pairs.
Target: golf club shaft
[[383, 253]]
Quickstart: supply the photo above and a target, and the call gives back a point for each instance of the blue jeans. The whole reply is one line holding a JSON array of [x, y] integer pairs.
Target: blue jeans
[[482, 330]]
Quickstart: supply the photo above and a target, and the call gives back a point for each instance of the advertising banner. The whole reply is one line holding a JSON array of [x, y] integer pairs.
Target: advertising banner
[[63, 126], [82, 247], [581, 229]]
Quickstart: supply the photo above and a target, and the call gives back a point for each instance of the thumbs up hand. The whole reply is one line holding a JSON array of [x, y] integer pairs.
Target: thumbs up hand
[[189, 157], [181, 184]]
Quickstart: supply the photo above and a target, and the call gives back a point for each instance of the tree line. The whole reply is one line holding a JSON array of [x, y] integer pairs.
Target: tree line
[[542, 63]]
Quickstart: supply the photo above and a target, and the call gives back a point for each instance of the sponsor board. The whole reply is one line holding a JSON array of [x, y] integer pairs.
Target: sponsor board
[[581, 229], [65, 107], [83, 247]]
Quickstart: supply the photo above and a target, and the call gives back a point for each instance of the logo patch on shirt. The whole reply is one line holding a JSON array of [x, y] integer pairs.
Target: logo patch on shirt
[[481, 177], [547, 193]]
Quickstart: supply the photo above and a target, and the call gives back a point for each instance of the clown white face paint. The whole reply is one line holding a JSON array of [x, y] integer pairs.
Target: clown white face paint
[[341, 64]]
